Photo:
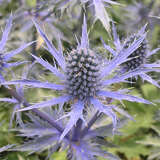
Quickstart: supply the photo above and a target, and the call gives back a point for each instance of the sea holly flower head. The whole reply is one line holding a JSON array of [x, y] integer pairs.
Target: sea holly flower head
[[6, 57], [138, 57], [82, 73], [83, 81], [137, 63]]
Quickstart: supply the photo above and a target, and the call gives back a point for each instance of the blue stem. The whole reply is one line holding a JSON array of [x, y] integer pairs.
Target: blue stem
[[90, 123], [77, 130]]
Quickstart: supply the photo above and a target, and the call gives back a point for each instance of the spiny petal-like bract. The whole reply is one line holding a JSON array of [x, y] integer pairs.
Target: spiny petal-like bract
[[138, 57]]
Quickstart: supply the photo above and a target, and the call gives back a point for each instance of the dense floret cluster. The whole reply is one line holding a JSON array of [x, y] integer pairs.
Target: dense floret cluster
[[138, 57], [82, 73]]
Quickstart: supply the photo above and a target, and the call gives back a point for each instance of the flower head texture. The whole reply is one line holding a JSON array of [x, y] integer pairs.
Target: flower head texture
[[137, 63], [6, 57], [83, 80], [82, 73], [138, 57]]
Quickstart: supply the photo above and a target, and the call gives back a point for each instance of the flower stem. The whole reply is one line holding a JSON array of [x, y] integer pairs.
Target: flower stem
[[90, 123], [36, 111], [48, 15], [77, 130]]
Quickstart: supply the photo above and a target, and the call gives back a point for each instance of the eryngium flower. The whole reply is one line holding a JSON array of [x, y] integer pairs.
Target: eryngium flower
[[137, 63], [82, 73], [42, 136], [138, 57], [90, 88], [6, 57]]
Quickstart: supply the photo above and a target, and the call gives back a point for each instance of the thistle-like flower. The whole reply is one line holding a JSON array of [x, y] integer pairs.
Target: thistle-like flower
[[84, 80], [42, 136], [138, 57], [6, 57], [137, 63]]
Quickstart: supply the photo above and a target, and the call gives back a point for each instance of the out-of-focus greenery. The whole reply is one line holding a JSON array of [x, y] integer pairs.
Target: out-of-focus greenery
[[131, 144]]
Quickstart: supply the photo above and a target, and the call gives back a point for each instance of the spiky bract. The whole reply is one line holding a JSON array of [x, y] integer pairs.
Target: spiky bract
[[6, 57], [41, 136]]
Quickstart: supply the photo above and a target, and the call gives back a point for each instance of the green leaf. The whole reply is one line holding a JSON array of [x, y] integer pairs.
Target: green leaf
[[31, 3], [59, 156]]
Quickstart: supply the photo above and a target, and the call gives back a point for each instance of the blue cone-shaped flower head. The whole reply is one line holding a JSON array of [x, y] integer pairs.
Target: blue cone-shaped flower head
[[84, 80], [138, 57], [6, 57], [137, 63], [82, 73]]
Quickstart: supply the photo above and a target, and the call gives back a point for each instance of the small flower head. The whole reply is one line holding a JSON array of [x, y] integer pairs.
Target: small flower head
[[138, 57], [136, 64]]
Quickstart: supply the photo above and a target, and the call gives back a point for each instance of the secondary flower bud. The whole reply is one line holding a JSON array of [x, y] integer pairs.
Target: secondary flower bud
[[138, 57]]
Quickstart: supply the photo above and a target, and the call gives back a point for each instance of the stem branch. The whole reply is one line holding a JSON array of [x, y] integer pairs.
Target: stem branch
[[77, 130], [90, 123], [36, 111]]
